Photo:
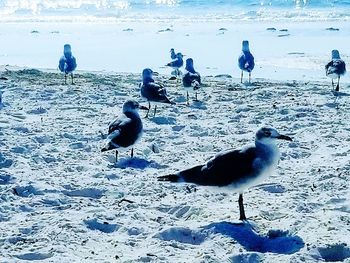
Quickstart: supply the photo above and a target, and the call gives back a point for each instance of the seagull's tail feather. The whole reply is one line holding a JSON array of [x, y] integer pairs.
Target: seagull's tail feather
[[104, 149], [170, 178], [166, 100], [108, 147], [195, 84], [192, 175]]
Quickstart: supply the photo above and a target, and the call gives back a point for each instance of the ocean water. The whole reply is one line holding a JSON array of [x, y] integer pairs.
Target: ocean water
[[196, 10]]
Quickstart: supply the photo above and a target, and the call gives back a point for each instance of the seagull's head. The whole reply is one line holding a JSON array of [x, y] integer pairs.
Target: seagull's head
[[179, 55], [147, 73], [189, 63], [132, 106], [267, 134], [245, 45], [335, 54], [172, 50], [67, 49]]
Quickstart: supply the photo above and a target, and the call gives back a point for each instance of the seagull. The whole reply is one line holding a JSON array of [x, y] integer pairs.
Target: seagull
[[152, 91], [191, 80], [126, 130], [246, 60], [67, 63], [335, 68], [236, 169], [176, 64], [172, 54]]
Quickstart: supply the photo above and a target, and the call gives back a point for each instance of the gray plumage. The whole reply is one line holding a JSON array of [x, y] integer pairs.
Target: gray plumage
[[152, 91], [237, 169], [127, 129], [335, 68], [67, 63]]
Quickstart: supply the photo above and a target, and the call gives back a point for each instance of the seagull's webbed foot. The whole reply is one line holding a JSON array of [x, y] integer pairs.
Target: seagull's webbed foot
[[241, 208]]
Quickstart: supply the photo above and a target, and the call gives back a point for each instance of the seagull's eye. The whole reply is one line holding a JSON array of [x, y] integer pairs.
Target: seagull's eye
[[267, 133]]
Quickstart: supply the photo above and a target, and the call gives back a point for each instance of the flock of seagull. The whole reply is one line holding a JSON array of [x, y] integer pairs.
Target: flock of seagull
[[236, 169]]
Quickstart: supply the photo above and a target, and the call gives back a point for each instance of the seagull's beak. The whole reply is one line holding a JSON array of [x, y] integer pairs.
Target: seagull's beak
[[143, 107], [284, 137]]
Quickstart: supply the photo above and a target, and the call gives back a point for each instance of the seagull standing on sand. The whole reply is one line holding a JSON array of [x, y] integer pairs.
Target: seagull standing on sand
[[191, 80], [246, 60], [176, 64], [172, 54], [236, 169], [335, 68], [126, 130], [152, 91], [67, 63]]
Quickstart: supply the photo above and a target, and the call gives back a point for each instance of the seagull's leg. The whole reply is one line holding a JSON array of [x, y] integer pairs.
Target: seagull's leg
[[250, 76], [155, 110], [241, 208], [71, 74], [242, 76], [149, 107], [65, 79], [116, 156], [337, 88], [132, 152], [196, 98], [332, 84], [188, 102]]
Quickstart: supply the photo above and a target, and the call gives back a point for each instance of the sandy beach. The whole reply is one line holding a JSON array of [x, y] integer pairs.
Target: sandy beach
[[62, 200]]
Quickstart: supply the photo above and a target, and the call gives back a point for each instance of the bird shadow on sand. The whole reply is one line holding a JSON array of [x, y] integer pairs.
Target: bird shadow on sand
[[137, 163], [275, 241], [340, 94], [196, 104], [163, 120]]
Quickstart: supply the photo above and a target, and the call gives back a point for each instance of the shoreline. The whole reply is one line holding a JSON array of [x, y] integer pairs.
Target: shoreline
[[224, 77], [298, 53]]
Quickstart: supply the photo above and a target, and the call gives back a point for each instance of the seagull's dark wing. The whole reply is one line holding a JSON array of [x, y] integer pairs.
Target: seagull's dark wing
[[72, 64], [189, 77], [336, 66], [329, 64], [124, 131], [246, 61], [154, 92], [176, 63], [224, 169], [61, 64], [115, 125]]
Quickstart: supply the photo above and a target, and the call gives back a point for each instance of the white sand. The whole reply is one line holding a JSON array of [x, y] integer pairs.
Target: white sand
[[50, 154]]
